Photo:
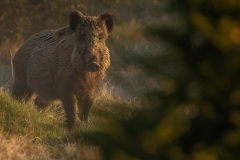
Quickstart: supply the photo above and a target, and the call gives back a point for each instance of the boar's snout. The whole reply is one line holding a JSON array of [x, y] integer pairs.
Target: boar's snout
[[93, 65]]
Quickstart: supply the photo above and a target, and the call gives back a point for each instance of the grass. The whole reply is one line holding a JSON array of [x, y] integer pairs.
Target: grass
[[29, 134], [26, 133], [23, 119]]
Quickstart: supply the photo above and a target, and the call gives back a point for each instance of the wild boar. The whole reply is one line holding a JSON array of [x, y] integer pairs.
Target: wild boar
[[66, 64]]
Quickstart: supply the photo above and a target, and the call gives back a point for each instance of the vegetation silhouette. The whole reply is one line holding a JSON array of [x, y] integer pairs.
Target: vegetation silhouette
[[195, 115]]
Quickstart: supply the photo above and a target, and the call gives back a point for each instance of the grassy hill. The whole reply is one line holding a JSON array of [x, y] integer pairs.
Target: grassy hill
[[38, 135], [26, 133]]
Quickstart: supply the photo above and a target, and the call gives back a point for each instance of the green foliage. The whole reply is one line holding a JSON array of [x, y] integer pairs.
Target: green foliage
[[193, 112]]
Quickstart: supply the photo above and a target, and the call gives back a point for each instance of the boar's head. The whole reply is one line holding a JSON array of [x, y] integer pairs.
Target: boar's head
[[91, 33]]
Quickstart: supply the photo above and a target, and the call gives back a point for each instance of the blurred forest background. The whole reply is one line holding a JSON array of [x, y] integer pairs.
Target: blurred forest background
[[177, 62]]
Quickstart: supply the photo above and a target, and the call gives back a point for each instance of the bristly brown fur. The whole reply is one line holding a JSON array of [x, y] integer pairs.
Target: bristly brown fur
[[68, 64]]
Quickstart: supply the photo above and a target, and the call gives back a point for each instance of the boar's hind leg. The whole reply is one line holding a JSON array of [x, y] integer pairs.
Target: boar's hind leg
[[20, 90], [41, 103], [68, 105]]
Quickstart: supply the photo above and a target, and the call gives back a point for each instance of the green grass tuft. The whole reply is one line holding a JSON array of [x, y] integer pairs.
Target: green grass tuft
[[17, 118]]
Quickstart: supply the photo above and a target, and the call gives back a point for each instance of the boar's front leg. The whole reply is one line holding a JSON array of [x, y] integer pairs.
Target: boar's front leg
[[68, 104], [84, 105]]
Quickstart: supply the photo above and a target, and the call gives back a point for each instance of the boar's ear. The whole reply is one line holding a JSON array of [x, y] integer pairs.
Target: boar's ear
[[108, 18], [75, 18]]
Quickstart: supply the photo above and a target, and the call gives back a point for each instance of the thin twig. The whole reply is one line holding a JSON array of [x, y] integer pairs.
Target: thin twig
[[12, 65]]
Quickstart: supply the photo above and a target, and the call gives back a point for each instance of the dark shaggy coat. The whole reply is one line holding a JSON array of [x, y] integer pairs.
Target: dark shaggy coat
[[67, 64]]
